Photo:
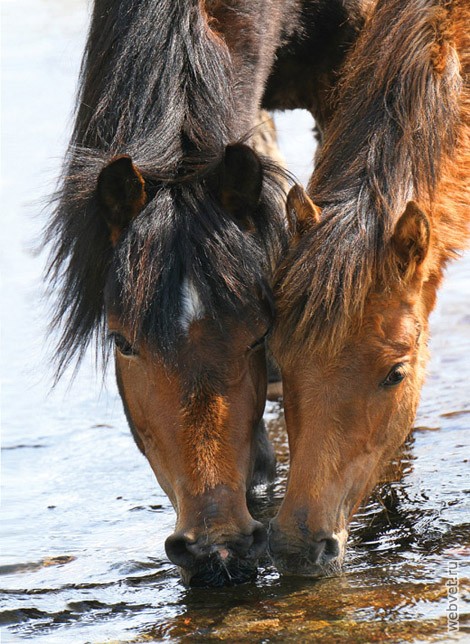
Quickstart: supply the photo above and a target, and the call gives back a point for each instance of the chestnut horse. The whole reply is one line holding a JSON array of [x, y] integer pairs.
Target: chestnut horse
[[387, 207], [164, 237]]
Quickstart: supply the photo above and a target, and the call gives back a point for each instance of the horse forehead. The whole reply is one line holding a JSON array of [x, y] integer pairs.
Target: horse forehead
[[193, 311], [392, 321], [192, 307], [385, 329]]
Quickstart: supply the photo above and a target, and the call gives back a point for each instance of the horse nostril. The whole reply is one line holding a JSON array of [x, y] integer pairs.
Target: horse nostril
[[179, 550], [250, 545], [324, 550], [190, 553], [331, 550]]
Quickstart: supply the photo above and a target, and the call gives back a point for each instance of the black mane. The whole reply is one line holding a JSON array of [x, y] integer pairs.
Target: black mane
[[184, 233], [156, 84], [153, 79]]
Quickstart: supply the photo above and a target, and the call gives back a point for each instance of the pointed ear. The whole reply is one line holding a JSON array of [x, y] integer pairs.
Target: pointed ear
[[411, 239], [121, 194], [240, 181], [302, 213]]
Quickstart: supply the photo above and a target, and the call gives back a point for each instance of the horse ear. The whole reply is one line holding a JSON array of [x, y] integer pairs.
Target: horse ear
[[302, 213], [121, 194], [411, 238], [240, 181]]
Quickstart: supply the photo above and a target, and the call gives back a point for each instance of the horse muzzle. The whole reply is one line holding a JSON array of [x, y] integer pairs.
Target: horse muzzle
[[217, 560], [315, 555]]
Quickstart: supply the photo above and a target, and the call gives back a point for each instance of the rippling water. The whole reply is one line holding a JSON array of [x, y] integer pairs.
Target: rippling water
[[84, 521]]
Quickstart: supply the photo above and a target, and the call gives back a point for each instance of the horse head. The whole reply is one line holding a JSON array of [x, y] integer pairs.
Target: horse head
[[356, 290], [190, 363], [350, 400]]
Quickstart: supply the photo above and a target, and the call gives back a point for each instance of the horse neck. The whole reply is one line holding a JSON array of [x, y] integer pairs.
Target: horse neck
[[217, 70], [396, 126], [451, 202], [252, 32], [154, 70]]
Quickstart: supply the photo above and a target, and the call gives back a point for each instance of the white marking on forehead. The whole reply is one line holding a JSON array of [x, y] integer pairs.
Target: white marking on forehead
[[191, 305]]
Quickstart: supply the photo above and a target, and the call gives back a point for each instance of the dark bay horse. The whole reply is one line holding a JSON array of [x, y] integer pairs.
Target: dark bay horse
[[164, 237], [388, 206]]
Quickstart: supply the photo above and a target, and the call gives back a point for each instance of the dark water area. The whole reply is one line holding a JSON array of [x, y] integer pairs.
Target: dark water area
[[84, 521]]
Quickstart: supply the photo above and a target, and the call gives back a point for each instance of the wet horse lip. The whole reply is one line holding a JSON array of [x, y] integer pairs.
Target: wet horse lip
[[304, 568], [220, 569], [297, 562], [223, 553], [314, 558]]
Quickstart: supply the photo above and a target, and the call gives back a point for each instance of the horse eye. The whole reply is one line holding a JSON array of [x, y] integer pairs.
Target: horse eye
[[123, 345], [395, 376]]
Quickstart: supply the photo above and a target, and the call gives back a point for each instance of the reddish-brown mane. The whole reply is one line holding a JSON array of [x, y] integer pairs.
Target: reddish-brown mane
[[405, 136]]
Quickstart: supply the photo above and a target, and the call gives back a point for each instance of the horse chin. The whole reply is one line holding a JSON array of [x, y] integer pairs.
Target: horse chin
[[302, 567], [216, 572]]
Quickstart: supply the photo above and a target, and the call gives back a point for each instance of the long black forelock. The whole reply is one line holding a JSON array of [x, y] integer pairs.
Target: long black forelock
[[156, 84], [184, 234]]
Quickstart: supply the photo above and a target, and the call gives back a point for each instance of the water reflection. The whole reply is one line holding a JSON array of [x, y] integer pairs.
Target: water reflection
[[393, 584]]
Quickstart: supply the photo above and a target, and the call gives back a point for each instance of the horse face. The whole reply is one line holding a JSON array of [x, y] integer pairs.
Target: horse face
[[348, 410], [345, 415], [196, 424], [197, 414]]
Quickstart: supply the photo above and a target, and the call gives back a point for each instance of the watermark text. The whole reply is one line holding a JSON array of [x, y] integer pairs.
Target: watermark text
[[452, 585]]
